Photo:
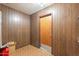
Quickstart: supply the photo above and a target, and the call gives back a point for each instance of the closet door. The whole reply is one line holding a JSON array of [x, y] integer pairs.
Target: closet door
[[45, 30]]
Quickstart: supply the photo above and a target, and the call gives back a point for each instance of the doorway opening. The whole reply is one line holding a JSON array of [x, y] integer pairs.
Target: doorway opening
[[46, 32]]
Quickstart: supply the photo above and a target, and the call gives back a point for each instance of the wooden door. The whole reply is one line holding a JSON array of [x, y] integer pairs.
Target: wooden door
[[45, 30]]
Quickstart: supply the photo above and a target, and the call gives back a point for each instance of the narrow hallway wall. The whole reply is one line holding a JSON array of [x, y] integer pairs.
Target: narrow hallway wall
[[64, 35], [15, 26]]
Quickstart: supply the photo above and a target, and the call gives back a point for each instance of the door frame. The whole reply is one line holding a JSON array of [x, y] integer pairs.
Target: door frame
[[50, 14], [0, 28]]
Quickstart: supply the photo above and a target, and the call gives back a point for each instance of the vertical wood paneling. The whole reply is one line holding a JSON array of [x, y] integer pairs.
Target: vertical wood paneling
[[64, 27], [15, 26], [35, 30], [76, 33]]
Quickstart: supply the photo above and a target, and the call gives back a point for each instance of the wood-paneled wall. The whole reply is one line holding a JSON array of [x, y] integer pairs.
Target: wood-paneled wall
[[15, 26], [35, 31], [64, 41]]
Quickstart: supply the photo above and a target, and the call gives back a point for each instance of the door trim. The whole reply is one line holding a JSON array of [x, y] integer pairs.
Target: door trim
[[45, 15]]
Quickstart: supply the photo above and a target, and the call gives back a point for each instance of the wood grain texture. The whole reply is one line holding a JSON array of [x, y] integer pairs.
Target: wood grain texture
[[15, 26], [64, 32], [76, 33], [35, 31], [64, 28], [45, 30]]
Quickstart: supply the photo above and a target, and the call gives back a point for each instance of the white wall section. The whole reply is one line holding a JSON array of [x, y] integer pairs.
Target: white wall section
[[0, 29]]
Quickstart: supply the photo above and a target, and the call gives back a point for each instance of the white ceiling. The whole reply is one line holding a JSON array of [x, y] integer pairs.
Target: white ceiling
[[28, 8]]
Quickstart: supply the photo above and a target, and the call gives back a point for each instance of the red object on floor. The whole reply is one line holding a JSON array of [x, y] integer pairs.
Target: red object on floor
[[4, 51]]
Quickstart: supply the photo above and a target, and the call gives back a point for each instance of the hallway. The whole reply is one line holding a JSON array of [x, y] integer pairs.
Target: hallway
[[55, 27], [31, 51]]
